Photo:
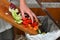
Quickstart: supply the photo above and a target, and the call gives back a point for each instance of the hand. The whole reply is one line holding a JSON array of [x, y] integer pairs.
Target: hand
[[24, 9]]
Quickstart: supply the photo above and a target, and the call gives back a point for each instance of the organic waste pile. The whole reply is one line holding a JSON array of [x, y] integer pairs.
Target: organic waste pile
[[17, 16]]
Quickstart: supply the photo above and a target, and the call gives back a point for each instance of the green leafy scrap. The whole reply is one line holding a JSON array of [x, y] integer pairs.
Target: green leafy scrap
[[17, 17]]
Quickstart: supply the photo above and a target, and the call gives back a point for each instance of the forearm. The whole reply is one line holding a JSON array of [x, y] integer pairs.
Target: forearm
[[22, 1]]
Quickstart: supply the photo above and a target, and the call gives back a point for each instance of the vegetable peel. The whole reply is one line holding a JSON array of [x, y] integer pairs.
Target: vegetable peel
[[17, 17]]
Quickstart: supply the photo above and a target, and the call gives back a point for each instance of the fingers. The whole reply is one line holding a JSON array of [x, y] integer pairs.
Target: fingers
[[29, 12], [22, 12], [30, 15], [34, 16]]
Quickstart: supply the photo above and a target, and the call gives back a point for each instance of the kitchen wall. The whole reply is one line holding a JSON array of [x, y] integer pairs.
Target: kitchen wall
[[34, 4], [49, 4]]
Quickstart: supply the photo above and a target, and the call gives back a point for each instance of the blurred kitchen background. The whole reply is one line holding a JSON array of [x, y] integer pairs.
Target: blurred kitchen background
[[53, 6]]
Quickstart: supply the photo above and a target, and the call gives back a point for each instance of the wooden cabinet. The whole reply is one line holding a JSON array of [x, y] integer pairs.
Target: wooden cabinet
[[54, 12]]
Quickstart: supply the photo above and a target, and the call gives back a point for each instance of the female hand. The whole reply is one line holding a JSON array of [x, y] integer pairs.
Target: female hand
[[25, 9]]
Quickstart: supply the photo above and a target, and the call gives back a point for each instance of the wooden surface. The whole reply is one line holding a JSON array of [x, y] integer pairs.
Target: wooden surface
[[8, 18], [54, 12]]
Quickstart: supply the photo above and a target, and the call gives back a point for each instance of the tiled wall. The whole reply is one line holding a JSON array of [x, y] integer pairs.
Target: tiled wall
[[34, 4]]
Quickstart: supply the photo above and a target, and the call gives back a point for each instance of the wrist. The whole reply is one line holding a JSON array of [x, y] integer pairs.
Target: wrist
[[22, 1]]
